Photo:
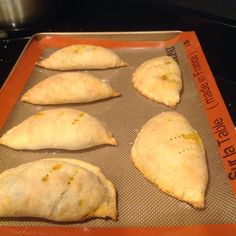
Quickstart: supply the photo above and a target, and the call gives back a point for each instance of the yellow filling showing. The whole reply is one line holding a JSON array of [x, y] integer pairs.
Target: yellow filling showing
[[167, 78], [62, 113], [57, 167], [38, 114], [45, 178], [77, 119], [78, 48], [193, 136], [70, 179], [81, 114], [81, 203]]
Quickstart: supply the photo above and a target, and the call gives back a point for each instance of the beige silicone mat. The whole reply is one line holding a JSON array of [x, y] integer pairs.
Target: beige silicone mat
[[140, 203]]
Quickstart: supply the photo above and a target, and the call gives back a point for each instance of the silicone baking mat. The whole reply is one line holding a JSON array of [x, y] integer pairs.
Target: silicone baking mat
[[140, 203]]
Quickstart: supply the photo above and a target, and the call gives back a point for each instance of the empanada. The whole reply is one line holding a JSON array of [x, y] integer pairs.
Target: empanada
[[170, 153], [69, 87], [159, 79], [82, 56], [58, 190], [58, 128]]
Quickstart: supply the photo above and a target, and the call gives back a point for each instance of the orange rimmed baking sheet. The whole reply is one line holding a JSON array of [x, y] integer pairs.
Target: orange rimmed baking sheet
[[187, 43]]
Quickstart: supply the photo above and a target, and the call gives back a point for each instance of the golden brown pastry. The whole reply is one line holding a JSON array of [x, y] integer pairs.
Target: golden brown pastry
[[69, 87], [58, 128], [58, 190], [170, 154], [82, 56], [159, 79]]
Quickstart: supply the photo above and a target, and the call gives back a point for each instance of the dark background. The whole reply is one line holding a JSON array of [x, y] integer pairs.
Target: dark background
[[214, 21]]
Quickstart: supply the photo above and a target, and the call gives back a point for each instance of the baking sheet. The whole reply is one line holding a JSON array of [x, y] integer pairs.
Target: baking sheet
[[140, 203]]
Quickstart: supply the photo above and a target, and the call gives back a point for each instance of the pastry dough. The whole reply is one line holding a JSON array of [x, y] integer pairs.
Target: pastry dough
[[82, 56], [159, 79], [58, 190], [59, 128], [69, 87], [170, 153]]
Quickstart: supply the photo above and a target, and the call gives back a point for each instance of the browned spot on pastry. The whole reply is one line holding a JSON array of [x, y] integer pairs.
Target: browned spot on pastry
[[164, 77]]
